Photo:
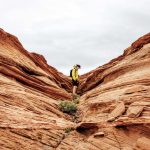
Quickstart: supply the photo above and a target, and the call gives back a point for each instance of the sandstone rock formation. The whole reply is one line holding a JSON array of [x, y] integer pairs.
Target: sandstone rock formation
[[29, 94], [30, 91]]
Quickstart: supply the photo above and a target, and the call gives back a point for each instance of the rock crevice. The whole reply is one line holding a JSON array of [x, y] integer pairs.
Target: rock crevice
[[114, 109]]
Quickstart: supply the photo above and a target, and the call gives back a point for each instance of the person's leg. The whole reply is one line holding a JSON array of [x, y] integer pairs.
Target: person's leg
[[74, 90]]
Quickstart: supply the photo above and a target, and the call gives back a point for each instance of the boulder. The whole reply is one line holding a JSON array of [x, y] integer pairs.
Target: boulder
[[118, 111], [134, 111]]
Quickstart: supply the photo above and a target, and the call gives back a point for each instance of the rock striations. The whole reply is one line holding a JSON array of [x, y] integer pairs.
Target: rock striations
[[113, 113]]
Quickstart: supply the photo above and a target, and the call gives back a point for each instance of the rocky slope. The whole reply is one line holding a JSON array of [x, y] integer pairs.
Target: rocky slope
[[113, 113], [29, 94]]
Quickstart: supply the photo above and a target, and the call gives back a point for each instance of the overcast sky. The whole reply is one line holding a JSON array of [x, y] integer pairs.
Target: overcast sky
[[66, 32]]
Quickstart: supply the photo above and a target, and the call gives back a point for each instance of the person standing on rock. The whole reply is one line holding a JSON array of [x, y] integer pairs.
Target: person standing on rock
[[75, 78]]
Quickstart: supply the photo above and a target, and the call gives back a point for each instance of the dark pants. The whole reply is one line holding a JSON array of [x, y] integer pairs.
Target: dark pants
[[75, 82]]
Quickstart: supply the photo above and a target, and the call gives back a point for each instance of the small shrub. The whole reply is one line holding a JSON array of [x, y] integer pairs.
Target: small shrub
[[76, 101], [68, 130], [68, 107], [76, 96]]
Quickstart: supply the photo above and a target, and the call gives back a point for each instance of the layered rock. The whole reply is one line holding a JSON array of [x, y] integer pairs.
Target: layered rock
[[31, 91], [119, 92]]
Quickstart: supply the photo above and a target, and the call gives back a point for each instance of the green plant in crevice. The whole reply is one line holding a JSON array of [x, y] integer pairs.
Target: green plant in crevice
[[68, 107], [69, 129], [76, 99]]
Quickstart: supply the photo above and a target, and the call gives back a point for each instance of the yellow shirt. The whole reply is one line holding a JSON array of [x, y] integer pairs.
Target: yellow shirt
[[75, 75]]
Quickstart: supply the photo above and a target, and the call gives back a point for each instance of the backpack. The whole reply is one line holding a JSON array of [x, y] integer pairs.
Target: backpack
[[71, 73]]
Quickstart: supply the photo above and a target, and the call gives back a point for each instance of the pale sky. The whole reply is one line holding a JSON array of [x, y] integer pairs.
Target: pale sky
[[66, 32]]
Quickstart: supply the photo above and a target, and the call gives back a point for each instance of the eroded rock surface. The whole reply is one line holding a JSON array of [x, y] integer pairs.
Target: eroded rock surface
[[31, 91], [142, 144]]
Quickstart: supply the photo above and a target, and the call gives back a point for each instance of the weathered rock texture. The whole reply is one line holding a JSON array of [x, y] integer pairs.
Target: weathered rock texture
[[30, 91]]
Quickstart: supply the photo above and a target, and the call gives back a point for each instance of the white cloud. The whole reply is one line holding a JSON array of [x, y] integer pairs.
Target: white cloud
[[89, 32]]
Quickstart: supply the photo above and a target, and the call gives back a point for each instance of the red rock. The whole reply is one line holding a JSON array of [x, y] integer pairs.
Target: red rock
[[134, 111], [99, 134], [143, 143], [141, 41], [117, 112], [30, 91], [127, 148], [29, 97]]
